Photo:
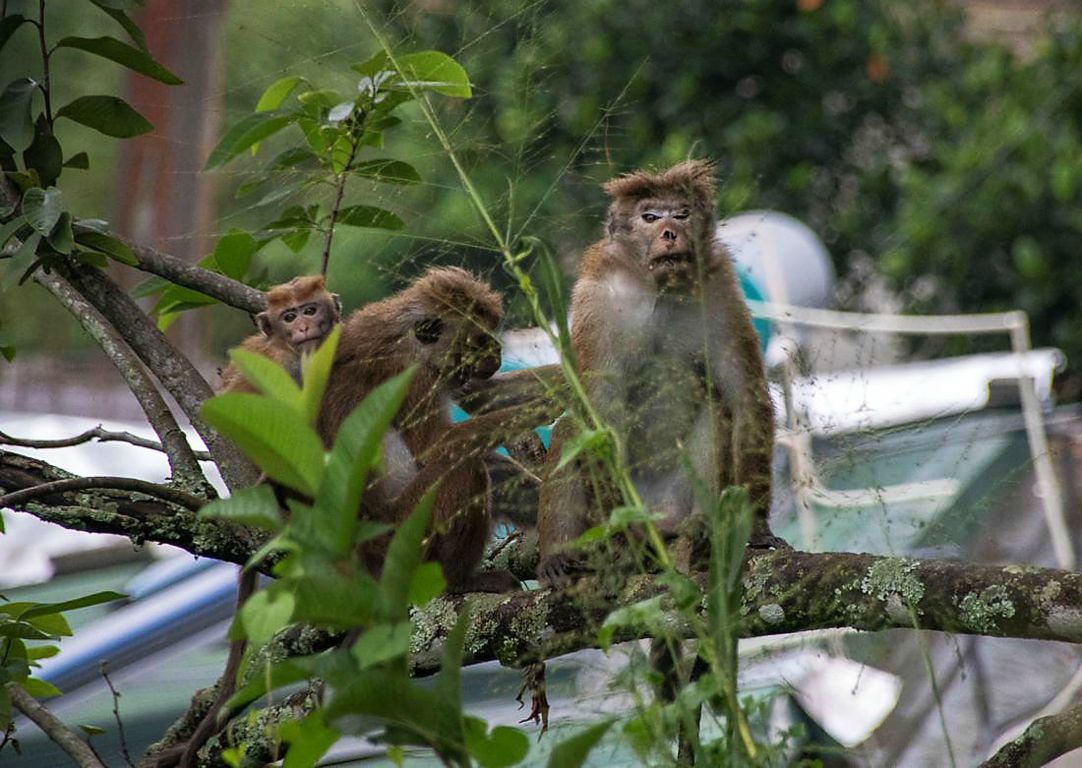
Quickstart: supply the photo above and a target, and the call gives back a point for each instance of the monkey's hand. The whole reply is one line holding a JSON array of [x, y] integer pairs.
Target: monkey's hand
[[497, 580], [559, 570], [763, 538]]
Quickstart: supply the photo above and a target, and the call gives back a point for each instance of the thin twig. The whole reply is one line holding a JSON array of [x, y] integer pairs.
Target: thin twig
[[44, 64], [182, 460], [61, 735], [116, 714], [98, 433], [158, 491], [343, 177]]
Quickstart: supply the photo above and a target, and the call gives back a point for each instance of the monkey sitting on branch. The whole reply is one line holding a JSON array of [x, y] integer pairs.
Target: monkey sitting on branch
[[669, 360], [300, 314], [443, 324]]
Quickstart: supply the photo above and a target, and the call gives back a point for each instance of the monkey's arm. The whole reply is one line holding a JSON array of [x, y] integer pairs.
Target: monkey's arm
[[542, 385]]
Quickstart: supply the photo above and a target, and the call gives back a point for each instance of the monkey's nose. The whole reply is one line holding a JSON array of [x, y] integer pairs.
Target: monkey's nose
[[669, 235]]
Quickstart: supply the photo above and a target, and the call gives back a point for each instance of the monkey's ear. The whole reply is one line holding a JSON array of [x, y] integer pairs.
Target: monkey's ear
[[264, 322], [337, 302], [428, 330]]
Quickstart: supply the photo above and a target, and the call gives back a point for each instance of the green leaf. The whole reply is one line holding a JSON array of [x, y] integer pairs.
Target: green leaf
[[572, 752], [308, 740], [8, 230], [427, 583], [255, 506], [134, 59], [403, 557], [8, 27], [435, 71], [39, 689], [110, 246], [42, 652], [251, 130], [42, 208], [277, 92], [18, 265], [369, 216], [124, 21], [16, 121], [51, 624], [315, 372], [44, 154], [280, 673], [233, 253], [61, 238], [382, 643], [586, 440], [269, 378], [387, 171], [266, 613], [8, 352], [329, 597], [106, 114], [277, 439], [96, 598], [22, 629], [79, 161], [355, 449], [92, 730], [503, 747]]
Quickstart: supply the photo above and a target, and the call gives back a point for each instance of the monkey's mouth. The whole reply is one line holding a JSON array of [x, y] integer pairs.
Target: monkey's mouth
[[666, 261]]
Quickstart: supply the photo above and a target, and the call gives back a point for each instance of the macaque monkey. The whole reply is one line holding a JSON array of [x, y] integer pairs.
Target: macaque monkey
[[443, 324], [299, 316], [669, 359]]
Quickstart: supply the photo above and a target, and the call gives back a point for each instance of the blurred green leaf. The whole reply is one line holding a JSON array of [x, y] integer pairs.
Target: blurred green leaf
[[256, 507], [269, 378], [427, 583], [503, 747], [110, 246], [277, 439], [308, 740], [381, 643], [248, 131], [315, 372], [8, 229], [266, 613], [403, 557], [106, 114], [96, 598], [79, 161], [61, 237], [44, 153], [233, 253], [369, 216], [40, 689], [16, 120], [435, 71], [8, 27], [276, 93], [124, 21], [573, 751], [387, 171], [91, 730], [135, 59], [42, 208]]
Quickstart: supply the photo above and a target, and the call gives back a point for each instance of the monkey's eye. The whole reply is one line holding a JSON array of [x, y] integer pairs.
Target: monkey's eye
[[683, 213], [650, 218], [310, 310], [289, 317]]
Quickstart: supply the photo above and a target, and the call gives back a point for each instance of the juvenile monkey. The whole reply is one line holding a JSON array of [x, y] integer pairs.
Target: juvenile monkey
[[298, 317], [669, 359], [444, 324]]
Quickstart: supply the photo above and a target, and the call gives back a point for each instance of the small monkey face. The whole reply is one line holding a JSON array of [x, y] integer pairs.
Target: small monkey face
[[461, 349], [660, 226], [306, 325]]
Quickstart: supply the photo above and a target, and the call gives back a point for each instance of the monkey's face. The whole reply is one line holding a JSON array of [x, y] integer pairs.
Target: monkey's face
[[658, 232], [460, 348], [305, 326]]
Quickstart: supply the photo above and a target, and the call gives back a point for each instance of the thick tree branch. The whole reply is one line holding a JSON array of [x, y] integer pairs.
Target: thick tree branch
[[1044, 740], [173, 370], [182, 460], [134, 515], [154, 490], [55, 729], [220, 287], [98, 433]]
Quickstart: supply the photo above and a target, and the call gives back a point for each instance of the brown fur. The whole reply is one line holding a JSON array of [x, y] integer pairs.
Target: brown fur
[[669, 358], [284, 341], [444, 323]]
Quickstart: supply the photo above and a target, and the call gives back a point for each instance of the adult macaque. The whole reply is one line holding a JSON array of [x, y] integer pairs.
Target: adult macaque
[[669, 359], [299, 316], [443, 324]]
